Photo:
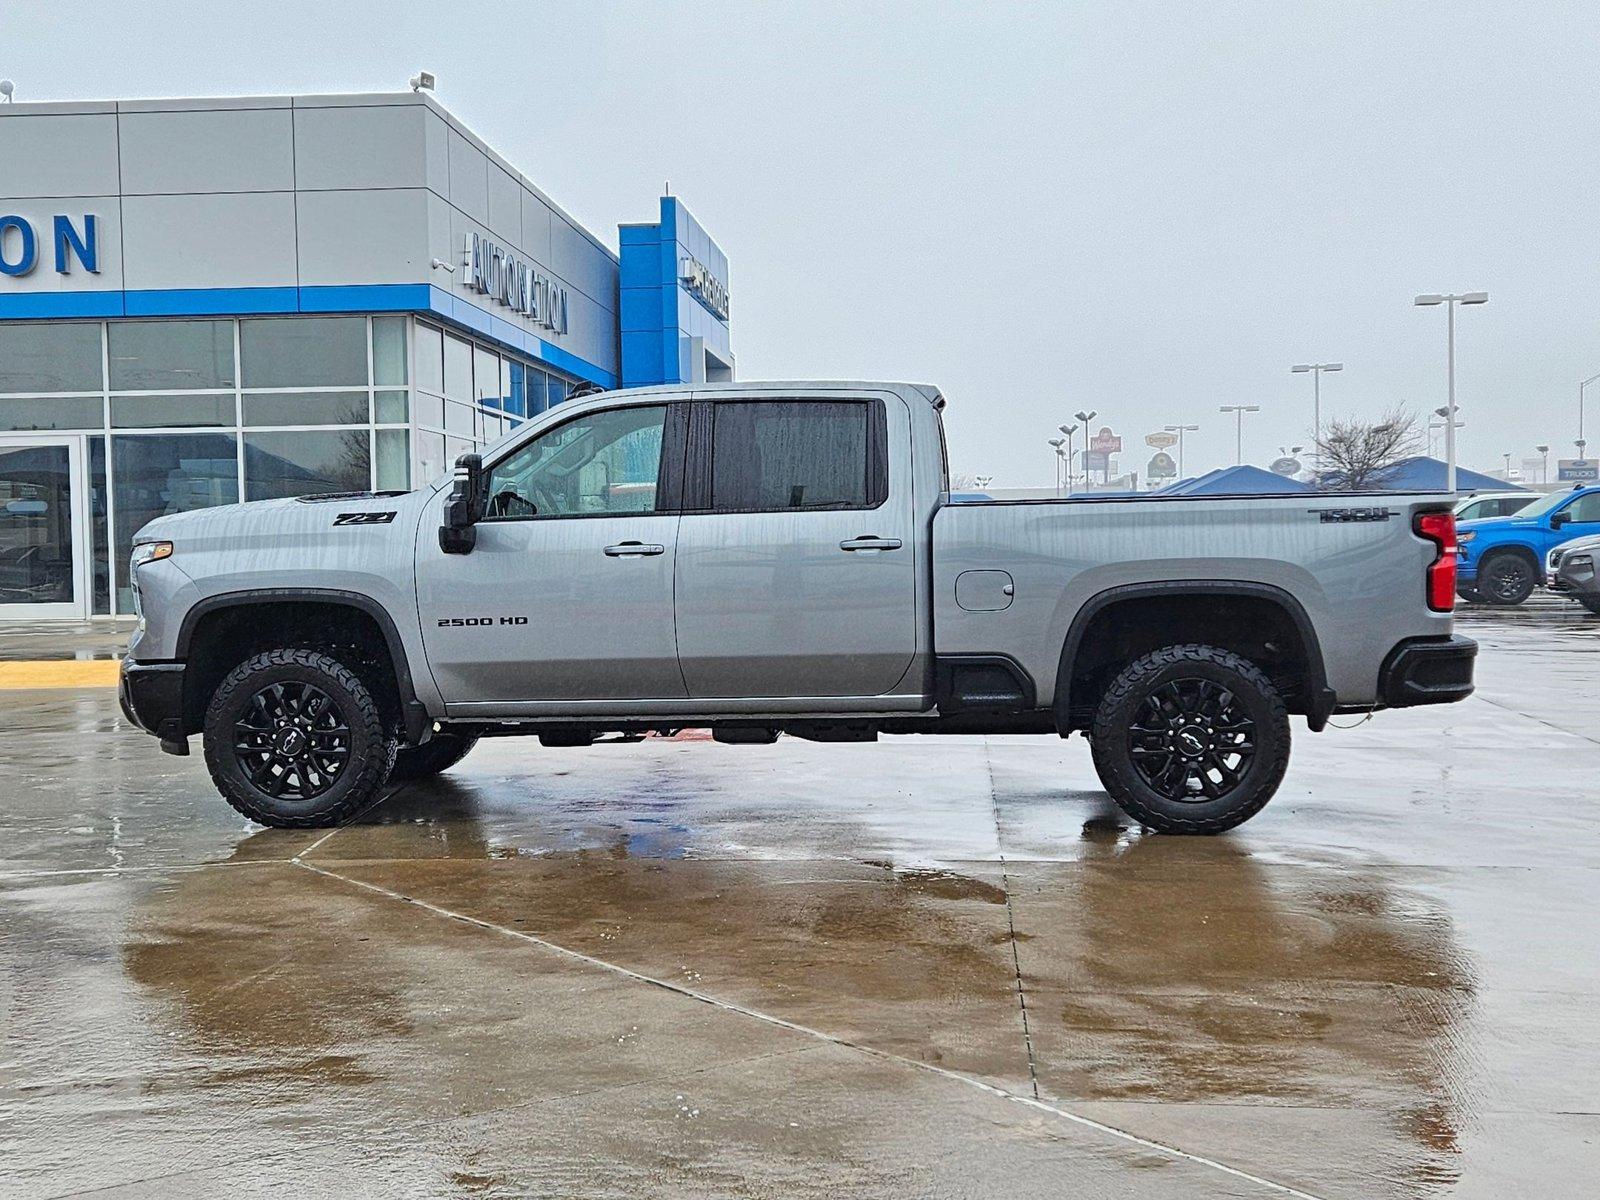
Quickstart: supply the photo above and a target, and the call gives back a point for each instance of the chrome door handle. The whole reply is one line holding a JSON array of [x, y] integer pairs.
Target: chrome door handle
[[870, 543], [633, 550]]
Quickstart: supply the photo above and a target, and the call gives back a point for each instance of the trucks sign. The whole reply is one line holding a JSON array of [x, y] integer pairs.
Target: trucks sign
[[1578, 470]]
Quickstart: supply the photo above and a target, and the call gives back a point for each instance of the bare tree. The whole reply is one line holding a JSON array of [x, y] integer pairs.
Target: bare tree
[[1354, 455]]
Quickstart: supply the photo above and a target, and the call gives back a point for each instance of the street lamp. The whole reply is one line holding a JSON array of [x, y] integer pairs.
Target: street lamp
[[1316, 370], [1239, 410], [1056, 444], [1180, 430], [1069, 430], [1507, 456], [1083, 419], [1544, 463], [1580, 442], [1430, 300]]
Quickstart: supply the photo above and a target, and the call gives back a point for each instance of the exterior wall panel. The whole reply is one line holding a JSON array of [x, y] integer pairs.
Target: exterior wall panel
[[371, 147], [51, 154], [231, 150], [209, 241]]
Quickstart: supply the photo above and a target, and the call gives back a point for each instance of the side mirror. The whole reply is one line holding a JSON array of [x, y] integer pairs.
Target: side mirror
[[1557, 520], [464, 509]]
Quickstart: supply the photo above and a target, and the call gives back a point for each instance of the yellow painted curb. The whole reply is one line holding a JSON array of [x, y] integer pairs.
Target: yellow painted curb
[[59, 673]]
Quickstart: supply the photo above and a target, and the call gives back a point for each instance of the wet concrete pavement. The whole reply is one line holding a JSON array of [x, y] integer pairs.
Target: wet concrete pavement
[[937, 967]]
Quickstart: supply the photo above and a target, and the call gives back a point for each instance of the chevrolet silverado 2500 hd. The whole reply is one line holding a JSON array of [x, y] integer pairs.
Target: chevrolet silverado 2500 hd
[[776, 558]]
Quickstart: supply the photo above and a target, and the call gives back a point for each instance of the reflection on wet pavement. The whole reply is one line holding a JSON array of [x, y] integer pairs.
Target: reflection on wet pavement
[[931, 966]]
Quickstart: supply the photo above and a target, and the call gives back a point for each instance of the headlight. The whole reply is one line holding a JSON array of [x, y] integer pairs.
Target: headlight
[[149, 552], [1573, 560], [1467, 536]]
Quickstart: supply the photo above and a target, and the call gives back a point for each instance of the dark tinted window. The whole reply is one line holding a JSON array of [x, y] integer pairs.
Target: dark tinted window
[[1586, 508], [781, 455]]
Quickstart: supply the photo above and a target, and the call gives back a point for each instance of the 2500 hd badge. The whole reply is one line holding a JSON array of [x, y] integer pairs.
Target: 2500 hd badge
[[459, 622]]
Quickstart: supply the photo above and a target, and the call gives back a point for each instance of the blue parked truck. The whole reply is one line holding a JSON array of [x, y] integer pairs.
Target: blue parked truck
[[1502, 558]]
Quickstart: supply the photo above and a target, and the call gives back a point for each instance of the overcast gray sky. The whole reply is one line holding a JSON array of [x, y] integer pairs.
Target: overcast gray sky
[[1147, 209]]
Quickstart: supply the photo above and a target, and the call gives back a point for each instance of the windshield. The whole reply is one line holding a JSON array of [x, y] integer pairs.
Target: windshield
[[1539, 507]]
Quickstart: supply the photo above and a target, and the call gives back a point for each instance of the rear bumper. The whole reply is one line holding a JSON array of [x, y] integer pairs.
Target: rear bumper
[[151, 695], [1428, 671]]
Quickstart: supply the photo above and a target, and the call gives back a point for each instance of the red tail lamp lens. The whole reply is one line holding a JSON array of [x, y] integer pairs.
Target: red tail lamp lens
[[1440, 529]]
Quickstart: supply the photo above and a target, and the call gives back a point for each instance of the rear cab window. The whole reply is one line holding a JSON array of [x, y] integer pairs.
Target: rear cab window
[[791, 456]]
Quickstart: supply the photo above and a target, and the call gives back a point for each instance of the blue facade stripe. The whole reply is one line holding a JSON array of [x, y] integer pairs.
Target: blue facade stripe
[[58, 305], [211, 302]]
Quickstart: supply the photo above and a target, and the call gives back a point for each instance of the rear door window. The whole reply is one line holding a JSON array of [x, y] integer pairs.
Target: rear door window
[[796, 455]]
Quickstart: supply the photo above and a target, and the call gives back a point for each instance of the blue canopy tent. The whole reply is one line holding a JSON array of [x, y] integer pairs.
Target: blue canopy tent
[[1243, 480]]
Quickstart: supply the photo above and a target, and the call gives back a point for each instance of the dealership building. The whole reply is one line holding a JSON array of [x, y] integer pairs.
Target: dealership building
[[212, 300]]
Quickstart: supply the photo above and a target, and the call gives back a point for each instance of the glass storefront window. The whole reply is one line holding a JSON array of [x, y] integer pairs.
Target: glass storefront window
[[457, 368], [284, 352], [430, 359], [458, 419], [430, 456], [390, 408], [486, 374], [388, 350], [516, 394], [171, 412], [157, 474], [305, 408], [150, 356], [50, 357], [393, 460], [99, 528], [54, 412], [306, 463], [430, 410]]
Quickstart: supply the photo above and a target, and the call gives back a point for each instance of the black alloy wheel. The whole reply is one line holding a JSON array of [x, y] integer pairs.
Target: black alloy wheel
[[1191, 739], [1506, 579], [296, 740], [292, 741]]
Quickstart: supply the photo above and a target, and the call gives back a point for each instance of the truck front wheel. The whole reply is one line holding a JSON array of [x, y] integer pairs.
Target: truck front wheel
[[294, 739], [1191, 739]]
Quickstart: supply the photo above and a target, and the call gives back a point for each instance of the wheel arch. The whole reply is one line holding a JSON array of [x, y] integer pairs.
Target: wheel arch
[[1077, 671], [411, 712]]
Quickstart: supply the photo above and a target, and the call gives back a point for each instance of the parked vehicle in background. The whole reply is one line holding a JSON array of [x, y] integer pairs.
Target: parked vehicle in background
[[777, 558], [1493, 504], [1503, 558], [1569, 571]]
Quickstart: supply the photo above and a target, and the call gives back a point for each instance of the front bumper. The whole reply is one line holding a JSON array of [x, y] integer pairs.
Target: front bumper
[[151, 695], [1428, 671]]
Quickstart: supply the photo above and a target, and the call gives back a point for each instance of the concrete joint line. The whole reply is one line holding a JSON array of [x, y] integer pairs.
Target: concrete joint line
[[1111, 1131], [1011, 924]]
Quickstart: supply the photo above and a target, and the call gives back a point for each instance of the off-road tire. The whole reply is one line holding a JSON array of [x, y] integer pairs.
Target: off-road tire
[[1592, 603], [1253, 697], [371, 747], [1499, 571], [440, 753]]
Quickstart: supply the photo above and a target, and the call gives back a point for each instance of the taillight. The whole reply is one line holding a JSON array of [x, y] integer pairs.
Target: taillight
[[1440, 529]]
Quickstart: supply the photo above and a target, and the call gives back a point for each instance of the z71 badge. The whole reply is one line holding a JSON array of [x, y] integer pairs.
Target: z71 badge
[[364, 518]]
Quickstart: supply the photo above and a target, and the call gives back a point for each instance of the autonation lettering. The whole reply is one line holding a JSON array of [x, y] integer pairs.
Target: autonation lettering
[[19, 245], [494, 271]]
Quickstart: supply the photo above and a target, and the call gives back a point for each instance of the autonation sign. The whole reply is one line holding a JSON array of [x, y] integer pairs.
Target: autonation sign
[[704, 286], [492, 270], [20, 250]]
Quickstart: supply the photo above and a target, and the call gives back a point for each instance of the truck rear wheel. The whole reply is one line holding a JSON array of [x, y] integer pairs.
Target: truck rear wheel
[[294, 739], [1191, 739], [438, 753]]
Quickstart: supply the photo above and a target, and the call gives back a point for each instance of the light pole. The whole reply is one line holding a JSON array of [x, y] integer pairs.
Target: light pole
[[1544, 463], [1316, 370], [1430, 300], [1069, 430], [1180, 430], [1239, 410], [1056, 444], [1580, 442], [1083, 419], [1507, 456]]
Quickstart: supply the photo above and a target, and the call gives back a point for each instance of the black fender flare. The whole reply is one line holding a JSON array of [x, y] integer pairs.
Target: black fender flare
[[1320, 701], [413, 712]]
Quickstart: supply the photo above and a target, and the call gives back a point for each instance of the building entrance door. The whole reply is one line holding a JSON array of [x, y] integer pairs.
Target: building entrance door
[[44, 529]]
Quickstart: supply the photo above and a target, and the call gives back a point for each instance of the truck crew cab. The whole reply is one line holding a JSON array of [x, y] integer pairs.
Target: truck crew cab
[[776, 558]]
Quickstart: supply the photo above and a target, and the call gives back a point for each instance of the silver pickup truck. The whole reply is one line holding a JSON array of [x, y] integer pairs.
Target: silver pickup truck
[[776, 558]]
